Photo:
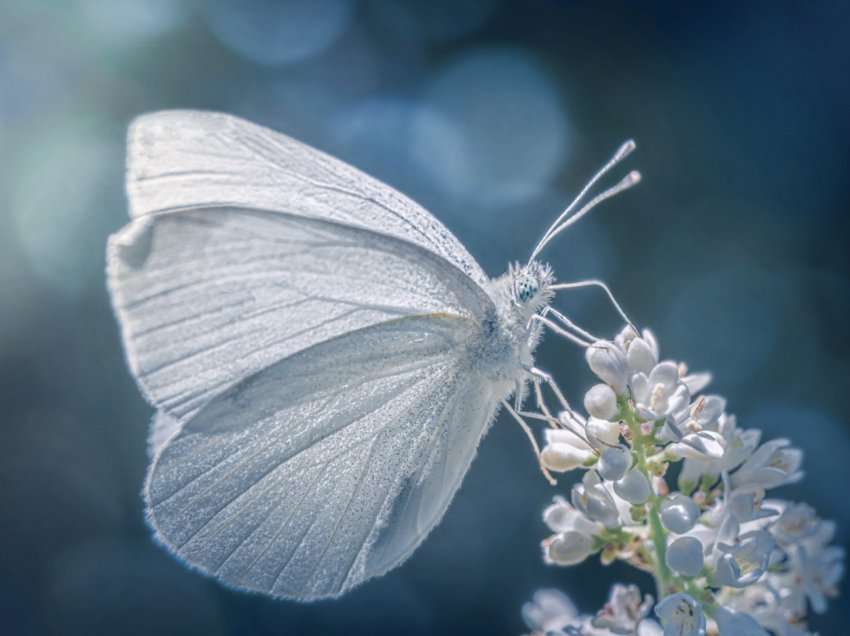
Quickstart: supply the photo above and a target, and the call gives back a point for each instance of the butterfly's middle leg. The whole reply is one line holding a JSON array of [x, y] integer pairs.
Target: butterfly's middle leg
[[567, 419]]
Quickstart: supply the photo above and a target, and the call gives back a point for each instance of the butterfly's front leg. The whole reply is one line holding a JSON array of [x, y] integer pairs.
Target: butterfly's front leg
[[567, 329], [530, 434]]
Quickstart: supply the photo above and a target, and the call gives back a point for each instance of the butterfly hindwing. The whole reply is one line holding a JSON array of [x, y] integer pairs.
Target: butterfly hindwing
[[286, 482]]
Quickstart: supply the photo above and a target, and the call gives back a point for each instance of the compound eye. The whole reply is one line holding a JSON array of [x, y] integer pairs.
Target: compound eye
[[526, 290]]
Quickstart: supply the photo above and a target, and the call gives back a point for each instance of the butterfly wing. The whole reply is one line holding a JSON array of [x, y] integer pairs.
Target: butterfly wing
[[202, 159], [425, 495], [163, 428], [209, 297], [328, 467], [296, 324]]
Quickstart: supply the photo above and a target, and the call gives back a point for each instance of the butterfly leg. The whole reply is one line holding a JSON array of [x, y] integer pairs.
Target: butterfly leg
[[569, 419], [569, 324], [598, 283], [532, 439], [543, 320]]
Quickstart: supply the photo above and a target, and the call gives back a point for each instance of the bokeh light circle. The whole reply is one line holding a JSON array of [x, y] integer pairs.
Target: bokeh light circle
[[278, 31], [512, 128], [123, 20], [63, 198], [377, 136]]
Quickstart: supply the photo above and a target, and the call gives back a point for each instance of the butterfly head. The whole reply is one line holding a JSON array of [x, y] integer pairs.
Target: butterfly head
[[530, 286]]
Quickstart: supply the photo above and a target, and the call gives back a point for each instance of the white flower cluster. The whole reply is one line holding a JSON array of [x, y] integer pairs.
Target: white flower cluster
[[726, 560]]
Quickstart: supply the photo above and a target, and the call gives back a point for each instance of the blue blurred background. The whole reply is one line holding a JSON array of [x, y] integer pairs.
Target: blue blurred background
[[491, 114]]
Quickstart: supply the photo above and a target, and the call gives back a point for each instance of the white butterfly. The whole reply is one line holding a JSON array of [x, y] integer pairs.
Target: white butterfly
[[323, 354]]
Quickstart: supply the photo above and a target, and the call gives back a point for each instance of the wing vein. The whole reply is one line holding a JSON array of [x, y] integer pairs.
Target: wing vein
[[289, 456]]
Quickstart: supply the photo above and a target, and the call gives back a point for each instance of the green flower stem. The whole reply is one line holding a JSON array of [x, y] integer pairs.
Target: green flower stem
[[642, 445], [659, 540]]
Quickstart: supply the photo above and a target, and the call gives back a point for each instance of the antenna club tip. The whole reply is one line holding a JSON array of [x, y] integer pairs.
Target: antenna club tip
[[633, 177], [625, 149]]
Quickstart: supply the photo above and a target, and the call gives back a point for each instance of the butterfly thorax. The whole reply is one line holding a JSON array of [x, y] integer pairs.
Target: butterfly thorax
[[509, 335]]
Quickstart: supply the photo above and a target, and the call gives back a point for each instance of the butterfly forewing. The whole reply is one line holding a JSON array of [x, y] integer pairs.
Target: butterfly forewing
[[208, 297], [201, 159]]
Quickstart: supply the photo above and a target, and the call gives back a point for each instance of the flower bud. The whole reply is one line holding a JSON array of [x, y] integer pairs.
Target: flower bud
[[564, 451], [567, 548], [685, 557], [600, 401], [609, 363], [603, 431], [640, 356], [614, 462], [633, 487], [561, 458], [679, 513], [594, 501]]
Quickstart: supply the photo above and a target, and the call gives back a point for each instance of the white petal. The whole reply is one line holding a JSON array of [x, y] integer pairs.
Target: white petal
[[666, 373], [727, 572], [549, 610], [608, 362], [712, 408], [681, 615], [640, 387], [701, 445], [680, 399], [649, 339], [731, 623], [649, 627], [696, 382]]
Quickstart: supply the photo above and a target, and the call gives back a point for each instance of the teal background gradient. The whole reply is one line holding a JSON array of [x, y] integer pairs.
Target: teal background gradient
[[492, 114]]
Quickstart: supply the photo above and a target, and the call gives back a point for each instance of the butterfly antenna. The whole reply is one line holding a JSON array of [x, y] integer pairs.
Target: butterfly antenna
[[622, 152], [631, 179]]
